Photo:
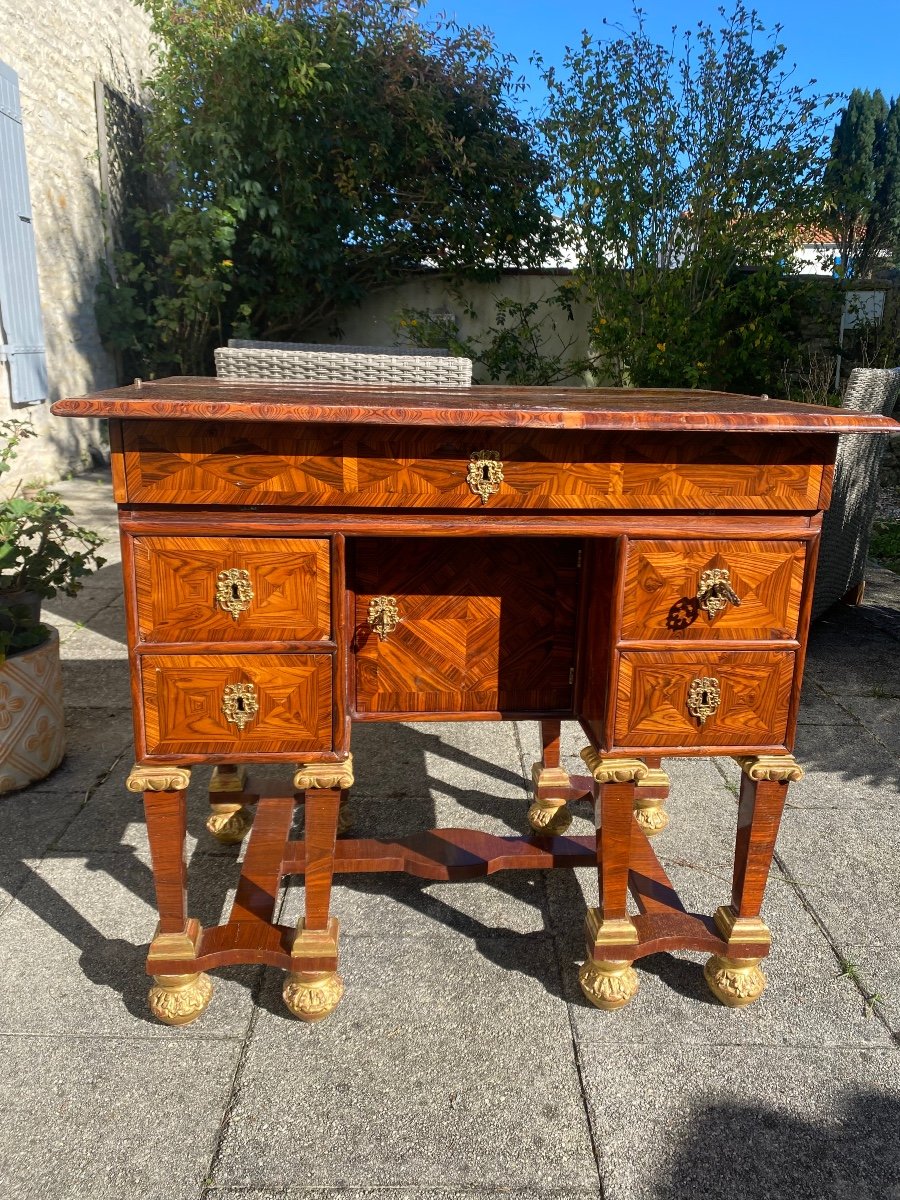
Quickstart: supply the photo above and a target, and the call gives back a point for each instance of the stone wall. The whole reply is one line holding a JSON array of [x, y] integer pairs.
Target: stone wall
[[58, 49]]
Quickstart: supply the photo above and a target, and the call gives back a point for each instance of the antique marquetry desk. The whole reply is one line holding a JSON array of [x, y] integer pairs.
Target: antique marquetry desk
[[298, 558]]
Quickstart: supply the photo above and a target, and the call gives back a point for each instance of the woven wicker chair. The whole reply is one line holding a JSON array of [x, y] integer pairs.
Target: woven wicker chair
[[318, 366], [328, 348], [847, 524]]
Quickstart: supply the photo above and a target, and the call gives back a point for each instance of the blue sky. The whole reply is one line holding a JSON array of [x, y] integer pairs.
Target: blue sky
[[841, 43]]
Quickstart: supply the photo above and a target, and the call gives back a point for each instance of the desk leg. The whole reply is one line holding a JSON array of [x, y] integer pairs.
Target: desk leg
[[181, 998], [607, 978], [230, 820], [313, 987], [549, 814], [735, 978]]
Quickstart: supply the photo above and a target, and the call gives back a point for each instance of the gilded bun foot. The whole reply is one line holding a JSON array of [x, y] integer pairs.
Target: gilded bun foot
[[736, 982], [229, 828], [312, 996], [651, 816], [608, 985], [179, 999], [345, 820], [549, 818]]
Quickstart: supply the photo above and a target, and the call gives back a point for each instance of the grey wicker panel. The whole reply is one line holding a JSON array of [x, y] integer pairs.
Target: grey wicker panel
[[301, 366], [847, 524], [327, 348]]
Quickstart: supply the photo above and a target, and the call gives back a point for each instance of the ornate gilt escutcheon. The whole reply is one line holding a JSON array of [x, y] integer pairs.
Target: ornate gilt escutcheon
[[234, 591], [715, 592], [239, 703], [703, 697], [383, 615], [485, 473]]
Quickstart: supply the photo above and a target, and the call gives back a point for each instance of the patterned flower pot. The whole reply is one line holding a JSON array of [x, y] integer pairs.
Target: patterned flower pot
[[32, 722]]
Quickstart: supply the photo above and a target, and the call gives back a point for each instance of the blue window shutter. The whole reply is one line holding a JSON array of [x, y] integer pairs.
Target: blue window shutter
[[21, 327]]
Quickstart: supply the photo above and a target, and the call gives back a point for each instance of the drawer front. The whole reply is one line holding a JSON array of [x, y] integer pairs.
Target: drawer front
[[481, 625], [670, 590], [193, 589], [376, 467], [656, 691], [276, 703]]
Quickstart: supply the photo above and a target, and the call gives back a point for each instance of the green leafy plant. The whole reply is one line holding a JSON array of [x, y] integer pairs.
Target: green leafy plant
[[885, 544], [42, 551]]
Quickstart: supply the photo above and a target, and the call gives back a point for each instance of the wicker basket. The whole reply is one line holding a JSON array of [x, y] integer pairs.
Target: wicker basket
[[328, 348], [306, 366]]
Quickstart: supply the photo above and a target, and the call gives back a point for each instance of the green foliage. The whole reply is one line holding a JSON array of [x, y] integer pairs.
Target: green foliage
[[862, 184], [41, 550], [685, 179], [299, 155], [885, 544]]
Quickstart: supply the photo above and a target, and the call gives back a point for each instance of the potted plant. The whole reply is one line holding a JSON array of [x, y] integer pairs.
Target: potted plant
[[42, 552]]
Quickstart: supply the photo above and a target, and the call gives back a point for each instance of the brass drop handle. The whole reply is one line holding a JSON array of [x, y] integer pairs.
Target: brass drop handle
[[240, 704], [715, 592], [234, 591], [704, 697], [383, 615], [485, 473]]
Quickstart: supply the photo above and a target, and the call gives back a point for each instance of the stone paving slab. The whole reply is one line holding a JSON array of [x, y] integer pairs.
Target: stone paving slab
[[110, 1118], [757, 1123]]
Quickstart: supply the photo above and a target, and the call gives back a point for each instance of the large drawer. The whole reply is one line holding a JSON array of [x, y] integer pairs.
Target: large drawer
[[656, 691], [188, 462], [209, 589], [236, 704], [667, 590]]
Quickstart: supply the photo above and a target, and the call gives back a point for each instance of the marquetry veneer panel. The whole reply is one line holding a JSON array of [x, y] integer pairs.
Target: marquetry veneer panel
[[379, 467], [652, 698], [662, 578], [182, 697], [486, 625], [175, 582]]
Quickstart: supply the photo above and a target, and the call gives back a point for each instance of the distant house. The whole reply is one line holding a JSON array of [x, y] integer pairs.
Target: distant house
[[818, 254], [58, 63]]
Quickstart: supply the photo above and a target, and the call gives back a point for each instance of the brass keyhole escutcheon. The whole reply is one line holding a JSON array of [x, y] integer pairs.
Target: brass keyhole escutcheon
[[240, 704], [383, 615], [715, 592], [485, 473], [234, 591], [704, 697]]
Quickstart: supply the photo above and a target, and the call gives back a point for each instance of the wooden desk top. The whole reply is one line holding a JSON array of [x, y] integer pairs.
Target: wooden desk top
[[612, 409]]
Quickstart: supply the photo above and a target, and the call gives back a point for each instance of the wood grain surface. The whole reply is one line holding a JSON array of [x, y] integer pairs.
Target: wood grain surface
[[175, 584], [662, 580], [182, 701], [487, 624], [548, 408]]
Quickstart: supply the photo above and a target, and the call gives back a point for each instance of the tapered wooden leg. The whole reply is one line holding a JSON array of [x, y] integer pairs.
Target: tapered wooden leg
[[230, 821], [735, 978], [549, 814], [175, 998], [607, 978], [313, 987], [651, 792]]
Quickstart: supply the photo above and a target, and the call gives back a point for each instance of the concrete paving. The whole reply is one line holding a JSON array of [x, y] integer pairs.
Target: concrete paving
[[463, 1060]]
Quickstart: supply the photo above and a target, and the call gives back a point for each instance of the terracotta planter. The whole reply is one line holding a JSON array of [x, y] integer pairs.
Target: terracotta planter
[[32, 722]]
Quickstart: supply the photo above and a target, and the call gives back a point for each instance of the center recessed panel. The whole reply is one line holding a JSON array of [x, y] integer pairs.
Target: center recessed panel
[[479, 625]]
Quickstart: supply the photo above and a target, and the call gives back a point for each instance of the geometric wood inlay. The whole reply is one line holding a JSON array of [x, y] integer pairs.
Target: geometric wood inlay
[[176, 589], [662, 578], [652, 698], [486, 625]]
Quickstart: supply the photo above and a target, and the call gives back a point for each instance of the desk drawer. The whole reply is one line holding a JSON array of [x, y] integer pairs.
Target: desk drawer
[[671, 594], [384, 467], [749, 691], [236, 704], [209, 589]]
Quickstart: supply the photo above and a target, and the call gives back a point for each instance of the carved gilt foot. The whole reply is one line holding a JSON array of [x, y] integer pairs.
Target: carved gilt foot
[[229, 825], [608, 985], [649, 797], [549, 815], [180, 999], [313, 995], [736, 982]]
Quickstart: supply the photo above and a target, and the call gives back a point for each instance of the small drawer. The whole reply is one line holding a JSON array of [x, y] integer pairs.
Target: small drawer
[[236, 704], [672, 593], [210, 589], [660, 697]]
